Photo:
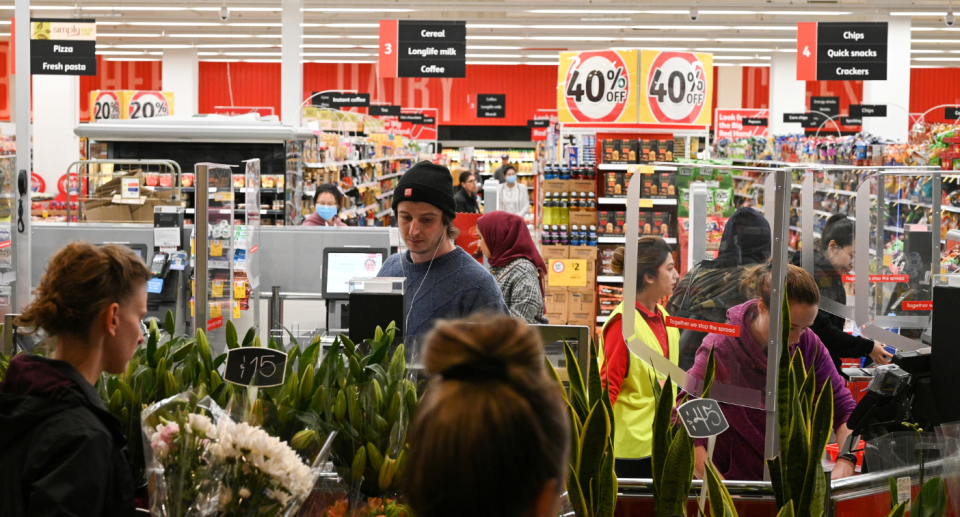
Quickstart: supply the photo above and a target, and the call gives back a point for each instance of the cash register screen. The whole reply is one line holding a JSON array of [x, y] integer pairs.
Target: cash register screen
[[342, 264]]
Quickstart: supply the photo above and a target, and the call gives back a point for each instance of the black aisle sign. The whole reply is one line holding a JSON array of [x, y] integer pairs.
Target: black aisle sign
[[703, 418], [255, 366], [416, 48], [542, 122], [342, 100], [490, 105], [384, 111], [63, 47], [429, 121], [951, 113], [851, 121], [826, 105], [416, 118], [836, 51], [754, 122], [797, 117], [868, 110]]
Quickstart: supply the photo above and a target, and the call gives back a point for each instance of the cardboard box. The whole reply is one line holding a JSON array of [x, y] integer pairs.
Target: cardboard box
[[561, 186], [583, 218], [554, 252], [584, 319], [634, 151], [583, 186], [556, 299], [556, 318], [582, 300]]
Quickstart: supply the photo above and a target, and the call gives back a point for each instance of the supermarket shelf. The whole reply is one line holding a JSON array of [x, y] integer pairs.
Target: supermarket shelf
[[623, 201], [748, 196], [242, 212], [746, 178], [359, 209], [369, 184], [841, 192], [526, 174], [623, 240], [393, 175], [893, 229], [602, 319], [610, 279], [943, 208], [383, 213], [625, 166], [385, 194], [315, 165]]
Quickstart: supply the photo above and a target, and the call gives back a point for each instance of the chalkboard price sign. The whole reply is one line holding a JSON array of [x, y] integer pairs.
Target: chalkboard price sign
[[255, 366], [703, 418]]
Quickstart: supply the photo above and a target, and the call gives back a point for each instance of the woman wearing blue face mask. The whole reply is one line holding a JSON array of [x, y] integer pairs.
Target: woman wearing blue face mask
[[328, 201], [514, 197]]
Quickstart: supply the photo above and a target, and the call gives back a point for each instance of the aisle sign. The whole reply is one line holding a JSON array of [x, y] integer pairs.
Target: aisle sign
[[337, 100], [418, 123], [63, 47], [841, 51], [741, 123], [868, 110], [384, 111], [567, 273], [490, 105], [851, 121], [598, 86], [952, 113], [677, 87], [827, 105], [417, 48]]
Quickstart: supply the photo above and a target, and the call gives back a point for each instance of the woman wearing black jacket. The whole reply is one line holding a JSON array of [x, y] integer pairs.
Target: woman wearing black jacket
[[832, 259], [61, 452]]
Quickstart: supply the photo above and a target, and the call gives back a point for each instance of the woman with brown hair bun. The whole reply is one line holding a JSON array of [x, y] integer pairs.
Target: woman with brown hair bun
[[629, 378], [61, 452], [491, 435]]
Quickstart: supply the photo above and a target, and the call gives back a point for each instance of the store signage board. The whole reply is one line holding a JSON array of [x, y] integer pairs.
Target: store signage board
[[702, 418], [384, 111], [255, 366], [851, 121], [337, 100], [417, 123], [952, 113], [491, 105], [598, 86], [567, 273], [538, 123], [415, 118], [417, 48], [826, 105], [677, 88], [63, 46], [841, 51], [741, 123], [868, 110]]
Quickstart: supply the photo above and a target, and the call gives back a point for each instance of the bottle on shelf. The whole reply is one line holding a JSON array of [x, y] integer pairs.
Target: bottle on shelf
[[565, 210], [592, 238], [564, 236], [575, 235]]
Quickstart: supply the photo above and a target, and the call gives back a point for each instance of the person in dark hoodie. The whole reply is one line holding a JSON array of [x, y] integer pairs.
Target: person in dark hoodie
[[833, 258], [61, 452], [712, 287]]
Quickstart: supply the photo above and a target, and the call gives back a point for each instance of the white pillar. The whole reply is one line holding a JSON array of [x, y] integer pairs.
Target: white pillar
[[21, 240], [730, 87], [787, 94], [56, 110], [291, 69], [895, 91], [181, 75]]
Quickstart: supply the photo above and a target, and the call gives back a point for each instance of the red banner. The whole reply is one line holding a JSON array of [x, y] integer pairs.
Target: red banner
[[704, 326], [917, 306], [389, 42], [879, 278], [807, 51], [215, 323], [469, 239], [729, 123]]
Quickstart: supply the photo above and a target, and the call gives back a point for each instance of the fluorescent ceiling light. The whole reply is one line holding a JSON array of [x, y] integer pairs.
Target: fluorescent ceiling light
[[355, 10], [766, 28], [936, 59], [239, 45], [209, 35], [265, 54], [550, 63], [757, 40], [666, 39], [923, 29], [270, 36], [578, 27], [787, 50], [541, 56], [493, 26], [127, 35], [919, 13], [915, 51], [492, 47], [136, 8], [727, 58], [365, 36], [724, 64], [254, 24], [807, 13], [582, 11], [668, 11], [129, 59], [318, 36], [493, 62], [347, 25], [167, 24], [500, 56], [762, 65], [922, 41], [705, 11], [334, 54], [494, 37], [733, 49], [681, 27], [336, 61], [50, 8], [334, 45], [153, 46], [572, 38], [120, 53]]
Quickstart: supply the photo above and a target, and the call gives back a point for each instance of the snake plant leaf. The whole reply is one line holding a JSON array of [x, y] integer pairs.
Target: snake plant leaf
[[232, 337], [821, 426], [932, 500], [708, 376], [677, 476], [714, 490], [898, 510], [786, 511], [816, 507], [797, 456], [593, 443], [594, 385], [556, 377], [662, 438], [576, 427], [578, 395], [575, 494], [608, 485], [783, 385], [798, 367], [781, 490], [606, 402]]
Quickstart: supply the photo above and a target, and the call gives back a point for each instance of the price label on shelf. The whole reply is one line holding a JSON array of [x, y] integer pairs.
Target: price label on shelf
[[215, 310], [598, 86], [217, 291], [216, 248], [240, 289], [236, 310], [677, 87]]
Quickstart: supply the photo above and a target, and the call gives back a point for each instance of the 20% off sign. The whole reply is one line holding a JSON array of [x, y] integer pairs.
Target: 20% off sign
[[597, 87], [677, 88], [148, 104]]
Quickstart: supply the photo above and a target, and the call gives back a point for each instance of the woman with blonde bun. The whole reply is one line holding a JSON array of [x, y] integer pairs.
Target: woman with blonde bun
[[491, 435]]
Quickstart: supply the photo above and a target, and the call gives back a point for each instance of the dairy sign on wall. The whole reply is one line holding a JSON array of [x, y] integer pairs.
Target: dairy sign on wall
[[63, 47]]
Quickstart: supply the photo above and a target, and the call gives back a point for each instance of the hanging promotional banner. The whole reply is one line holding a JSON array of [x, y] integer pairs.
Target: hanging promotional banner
[[598, 86], [742, 123], [841, 51], [418, 123], [63, 47], [129, 104], [677, 87], [416, 48]]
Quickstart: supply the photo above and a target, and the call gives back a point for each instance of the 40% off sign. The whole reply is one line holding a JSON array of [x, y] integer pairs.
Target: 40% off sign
[[677, 88], [598, 87]]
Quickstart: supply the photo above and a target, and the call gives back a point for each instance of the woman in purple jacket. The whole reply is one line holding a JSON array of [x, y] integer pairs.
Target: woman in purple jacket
[[742, 361]]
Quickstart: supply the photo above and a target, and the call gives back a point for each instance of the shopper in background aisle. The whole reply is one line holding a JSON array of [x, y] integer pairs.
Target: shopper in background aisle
[[713, 286], [491, 436], [328, 200], [514, 197], [443, 281], [501, 173], [467, 194], [629, 377], [515, 263], [832, 259], [61, 452], [742, 361]]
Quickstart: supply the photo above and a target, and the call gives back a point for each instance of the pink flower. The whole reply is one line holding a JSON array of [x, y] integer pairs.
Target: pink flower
[[169, 432]]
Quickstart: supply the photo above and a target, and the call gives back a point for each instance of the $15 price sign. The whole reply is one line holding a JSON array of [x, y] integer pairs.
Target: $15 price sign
[[677, 89], [598, 86]]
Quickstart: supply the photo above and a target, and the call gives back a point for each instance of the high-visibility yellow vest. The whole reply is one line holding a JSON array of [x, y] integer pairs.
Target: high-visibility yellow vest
[[633, 413]]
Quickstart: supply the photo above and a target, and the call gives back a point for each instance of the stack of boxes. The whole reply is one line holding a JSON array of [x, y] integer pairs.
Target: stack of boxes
[[572, 305]]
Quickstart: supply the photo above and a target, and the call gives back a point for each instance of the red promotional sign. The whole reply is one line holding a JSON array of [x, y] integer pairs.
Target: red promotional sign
[[426, 130], [729, 123], [879, 278], [389, 41], [539, 134], [660, 79], [807, 51], [589, 65], [214, 323], [917, 306], [469, 239], [704, 326]]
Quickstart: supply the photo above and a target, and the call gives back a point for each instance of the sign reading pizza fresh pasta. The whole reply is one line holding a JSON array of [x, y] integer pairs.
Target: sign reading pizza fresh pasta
[[598, 86], [677, 87]]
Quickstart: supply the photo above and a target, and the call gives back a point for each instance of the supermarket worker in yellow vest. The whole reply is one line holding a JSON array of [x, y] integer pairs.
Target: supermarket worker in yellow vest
[[629, 378]]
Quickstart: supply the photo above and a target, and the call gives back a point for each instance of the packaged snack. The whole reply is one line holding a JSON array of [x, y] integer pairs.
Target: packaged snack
[[607, 146], [645, 151], [187, 179], [668, 184], [683, 209], [621, 219], [634, 151], [617, 151], [620, 188], [611, 184], [649, 185], [723, 200], [654, 150], [662, 150]]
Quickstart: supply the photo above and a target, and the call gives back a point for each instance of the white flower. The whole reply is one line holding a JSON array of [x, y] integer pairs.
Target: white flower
[[201, 424], [244, 493]]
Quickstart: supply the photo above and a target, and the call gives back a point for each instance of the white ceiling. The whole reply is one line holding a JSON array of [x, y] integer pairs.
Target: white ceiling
[[498, 31]]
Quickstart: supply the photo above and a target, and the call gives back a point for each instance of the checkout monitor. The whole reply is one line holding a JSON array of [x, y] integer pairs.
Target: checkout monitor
[[342, 264], [138, 248]]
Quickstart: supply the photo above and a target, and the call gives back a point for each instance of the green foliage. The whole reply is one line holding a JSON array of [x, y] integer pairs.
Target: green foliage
[[591, 480], [721, 503], [804, 425]]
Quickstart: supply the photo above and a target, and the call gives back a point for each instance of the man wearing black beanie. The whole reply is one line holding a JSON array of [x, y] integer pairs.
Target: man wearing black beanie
[[443, 281]]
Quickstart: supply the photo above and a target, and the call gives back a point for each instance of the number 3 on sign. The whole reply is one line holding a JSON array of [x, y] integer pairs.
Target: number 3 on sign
[[679, 86]]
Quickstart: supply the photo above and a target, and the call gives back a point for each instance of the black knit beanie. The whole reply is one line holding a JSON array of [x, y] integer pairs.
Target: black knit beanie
[[429, 183]]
